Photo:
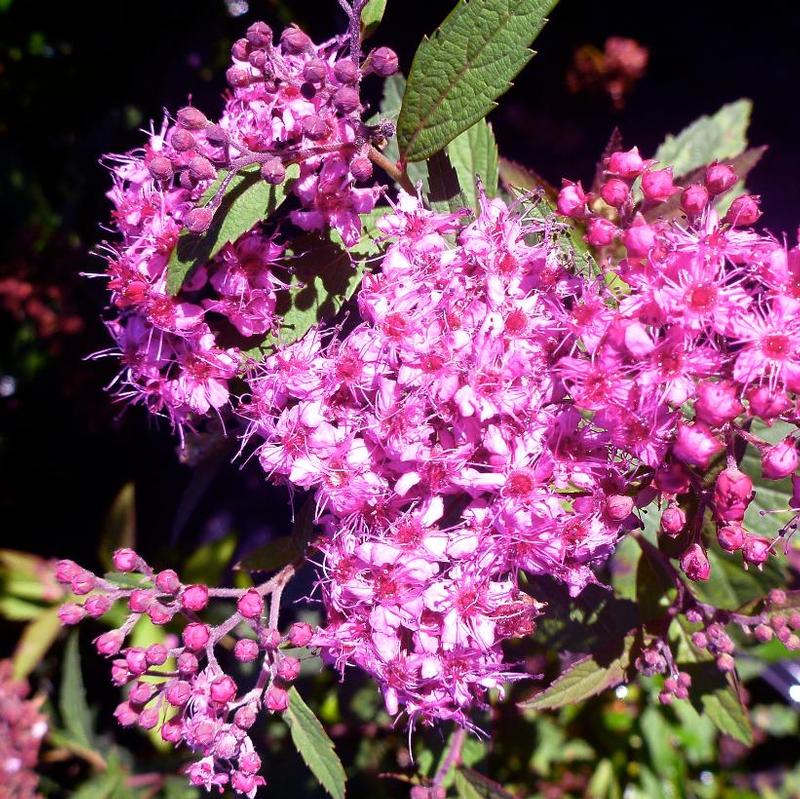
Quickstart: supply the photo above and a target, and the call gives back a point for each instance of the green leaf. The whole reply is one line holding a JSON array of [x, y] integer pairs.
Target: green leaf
[[314, 745], [371, 16], [248, 200], [707, 139], [75, 713], [474, 154], [119, 529], [459, 72], [587, 676], [444, 192], [655, 585], [603, 784], [470, 784], [36, 639], [208, 563]]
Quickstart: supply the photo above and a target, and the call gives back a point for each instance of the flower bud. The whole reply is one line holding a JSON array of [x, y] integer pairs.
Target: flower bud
[[182, 140], [240, 50], [361, 168], [191, 118], [673, 520], [198, 220], [119, 673], [140, 600], [245, 783], [346, 100], [625, 164], [700, 639], [269, 638], [755, 550], [245, 650], [244, 718], [717, 403], [744, 211], [571, 200], [141, 693], [732, 494], [136, 660], [315, 71], [780, 460], [196, 636], [615, 192], [70, 613], [67, 570], [719, 178], [346, 71], [383, 61], [315, 128], [259, 34], [288, 668], [83, 582], [172, 731], [767, 402], [250, 604], [200, 168], [694, 199], [293, 40], [657, 184], [237, 77], [694, 563], [725, 662], [156, 654], [109, 643], [217, 135], [300, 633], [778, 597], [618, 507], [223, 689], [160, 614], [148, 718], [731, 537], [696, 444], [167, 581], [639, 239], [763, 633], [276, 699], [187, 663], [125, 715], [160, 167], [97, 605], [273, 171], [600, 232], [178, 692]]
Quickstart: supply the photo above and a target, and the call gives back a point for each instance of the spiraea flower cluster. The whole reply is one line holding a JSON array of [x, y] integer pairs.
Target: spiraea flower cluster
[[182, 689], [22, 728], [292, 103]]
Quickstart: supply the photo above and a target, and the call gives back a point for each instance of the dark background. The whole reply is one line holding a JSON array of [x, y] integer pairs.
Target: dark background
[[79, 80]]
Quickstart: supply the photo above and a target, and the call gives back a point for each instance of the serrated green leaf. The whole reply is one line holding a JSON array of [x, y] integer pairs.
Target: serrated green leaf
[[36, 639], [709, 138], [444, 188], [75, 714], [248, 200], [473, 155], [371, 16], [470, 784], [588, 676], [459, 72], [314, 745]]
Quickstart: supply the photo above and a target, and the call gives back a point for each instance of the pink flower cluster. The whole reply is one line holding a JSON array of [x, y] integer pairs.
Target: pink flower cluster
[[22, 728], [704, 342], [443, 449], [290, 103], [192, 700]]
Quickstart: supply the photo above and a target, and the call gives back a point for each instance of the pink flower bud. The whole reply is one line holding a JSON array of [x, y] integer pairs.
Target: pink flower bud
[[191, 118], [245, 783], [167, 581], [361, 168], [125, 715], [273, 171], [223, 689], [780, 460], [571, 200], [673, 520], [615, 192], [244, 718], [83, 582], [245, 650], [618, 507], [639, 239], [182, 141], [178, 693], [731, 537], [694, 199], [201, 168], [625, 163], [778, 597], [383, 61], [148, 718], [126, 560], [172, 731], [293, 40], [67, 571], [694, 563], [194, 597], [196, 636], [657, 184], [300, 633], [140, 600], [156, 654], [250, 604], [136, 660], [600, 232], [755, 550], [315, 128], [345, 71], [70, 613], [315, 71], [160, 614], [346, 100], [717, 403], [187, 663], [198, 220], [119, 672], [732, 494], [276, 699], [160, 167], [763, 633], [725, 662], [237, 77], [109, 643], [744, 211], [97, 605], [259, 34], [696, 444], [288, 668], [269, 639], [719, 178], [141, 693], [767, 402]]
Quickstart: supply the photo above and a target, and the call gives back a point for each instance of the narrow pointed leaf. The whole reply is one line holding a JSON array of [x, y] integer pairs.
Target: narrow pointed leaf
[[459, 72], [36, 639], [75, 713]]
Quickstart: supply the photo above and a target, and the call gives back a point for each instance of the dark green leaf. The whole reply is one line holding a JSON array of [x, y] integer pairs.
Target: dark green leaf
[[460, 71], [655, 585], [444, 189], [248, 200], [587, 676], [314, 745], [470, 784], [371, 16], [75, 714], [36, 639], [473, 155]]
